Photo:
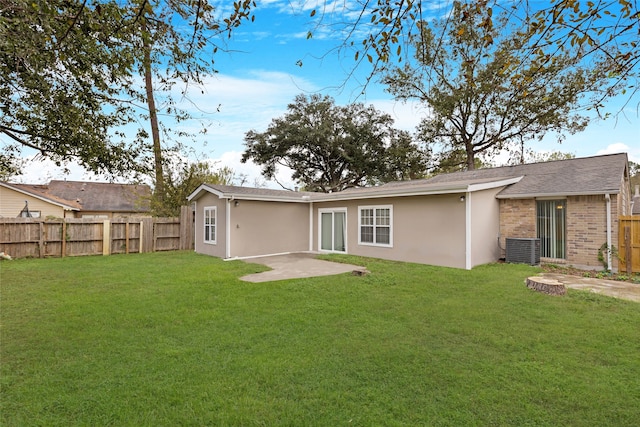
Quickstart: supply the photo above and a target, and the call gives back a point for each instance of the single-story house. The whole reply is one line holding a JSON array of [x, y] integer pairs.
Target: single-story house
[[74, 199], [569, 207]]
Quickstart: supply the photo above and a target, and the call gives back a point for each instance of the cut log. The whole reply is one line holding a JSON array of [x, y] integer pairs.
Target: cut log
[[546, 286]]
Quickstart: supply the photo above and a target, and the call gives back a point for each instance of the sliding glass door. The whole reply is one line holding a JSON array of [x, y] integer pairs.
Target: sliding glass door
[[333, 230], [551, 225]]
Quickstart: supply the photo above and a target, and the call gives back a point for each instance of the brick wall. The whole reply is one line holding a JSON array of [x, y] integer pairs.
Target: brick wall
[[587, 229], [517, 219], [586, 226]]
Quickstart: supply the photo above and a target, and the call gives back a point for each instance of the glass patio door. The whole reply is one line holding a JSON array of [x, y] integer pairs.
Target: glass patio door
[[333, 230], [551, 225]]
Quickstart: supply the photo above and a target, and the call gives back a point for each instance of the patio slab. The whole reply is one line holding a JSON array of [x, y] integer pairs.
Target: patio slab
[[297, 266], [612, 288]]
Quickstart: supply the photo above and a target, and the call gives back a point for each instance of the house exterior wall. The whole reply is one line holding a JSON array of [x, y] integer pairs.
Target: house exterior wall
[[587, 229], [485, 226], [586, 226], [12, 202], [517, 220], [263, 228], [426, 229], [218, 249]]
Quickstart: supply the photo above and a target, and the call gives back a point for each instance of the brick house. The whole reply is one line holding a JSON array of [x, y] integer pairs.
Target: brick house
[[571, 205], [570, 208]]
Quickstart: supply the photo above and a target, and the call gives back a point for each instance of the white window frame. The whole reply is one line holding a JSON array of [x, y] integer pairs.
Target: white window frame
[[214, 215], [375, 208]]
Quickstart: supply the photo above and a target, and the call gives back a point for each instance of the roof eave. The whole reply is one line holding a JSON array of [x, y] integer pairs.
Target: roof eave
[[422, 191], [548, 195], [242, 196]]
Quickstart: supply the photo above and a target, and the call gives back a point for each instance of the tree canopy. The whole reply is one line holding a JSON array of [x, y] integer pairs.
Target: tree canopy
[[61, 62], [182, 180], [70, 75], [483, 94], [332, 148], [379, 32]]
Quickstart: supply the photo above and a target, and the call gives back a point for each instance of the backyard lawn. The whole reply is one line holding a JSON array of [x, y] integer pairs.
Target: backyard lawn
[[175, 338]]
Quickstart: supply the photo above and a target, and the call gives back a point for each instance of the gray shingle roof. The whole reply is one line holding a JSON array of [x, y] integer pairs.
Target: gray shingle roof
[[587, 175], [230, 191], [42, 192], [583, 176], [102, 196]]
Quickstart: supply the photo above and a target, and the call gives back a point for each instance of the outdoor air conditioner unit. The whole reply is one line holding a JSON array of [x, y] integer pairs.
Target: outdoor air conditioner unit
[[523, 251]]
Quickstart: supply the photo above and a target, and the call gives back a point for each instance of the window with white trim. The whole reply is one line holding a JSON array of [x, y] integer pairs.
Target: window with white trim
[[375, 225], [210, 220]]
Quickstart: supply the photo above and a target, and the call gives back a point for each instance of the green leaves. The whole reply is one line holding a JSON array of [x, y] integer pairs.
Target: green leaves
[[489, 91], [332, 148]]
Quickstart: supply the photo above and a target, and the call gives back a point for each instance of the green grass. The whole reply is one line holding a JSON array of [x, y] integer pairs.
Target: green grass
[[175, 338]]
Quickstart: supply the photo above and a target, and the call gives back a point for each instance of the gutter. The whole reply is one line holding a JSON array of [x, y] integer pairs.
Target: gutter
[[227, 236], [607, 197]]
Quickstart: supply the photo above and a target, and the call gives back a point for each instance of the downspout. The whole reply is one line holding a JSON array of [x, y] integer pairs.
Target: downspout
[[311, 227], [607, 197], [467, 219], [195, 239], [228, 229]]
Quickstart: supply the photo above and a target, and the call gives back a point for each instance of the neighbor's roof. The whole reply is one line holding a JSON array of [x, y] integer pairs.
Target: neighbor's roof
[[41, 192], [580, 176], [103, 196]]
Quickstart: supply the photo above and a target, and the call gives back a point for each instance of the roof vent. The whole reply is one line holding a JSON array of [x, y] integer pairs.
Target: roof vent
[[523, 251]]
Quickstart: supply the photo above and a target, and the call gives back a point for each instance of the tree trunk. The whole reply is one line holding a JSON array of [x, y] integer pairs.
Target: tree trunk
[[471, 159], [153, 116]]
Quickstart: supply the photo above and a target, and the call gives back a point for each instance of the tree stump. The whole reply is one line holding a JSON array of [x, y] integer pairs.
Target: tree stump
[[359, 272], [546, 286]]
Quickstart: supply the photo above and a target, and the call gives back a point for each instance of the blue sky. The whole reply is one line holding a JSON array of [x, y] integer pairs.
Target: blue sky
[[260, 74]]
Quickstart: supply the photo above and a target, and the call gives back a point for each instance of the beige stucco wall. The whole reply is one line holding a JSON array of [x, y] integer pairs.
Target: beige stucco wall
[[263, 228], [218, 249], [256, 227], [485, 226], [12, 202], [426, 229]]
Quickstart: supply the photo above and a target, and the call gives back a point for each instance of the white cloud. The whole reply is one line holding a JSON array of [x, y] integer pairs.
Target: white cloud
[[251, 172], [619, 147]]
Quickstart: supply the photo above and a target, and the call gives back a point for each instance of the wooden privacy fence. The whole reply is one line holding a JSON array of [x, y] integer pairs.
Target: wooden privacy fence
[[629, 241], [37, 238]]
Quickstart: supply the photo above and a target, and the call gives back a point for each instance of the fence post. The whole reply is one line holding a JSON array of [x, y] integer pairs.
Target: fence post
[[63, 238], [106, 237], [126, 237], [186, 228], [627, 249], [41, 238], [140, 244]]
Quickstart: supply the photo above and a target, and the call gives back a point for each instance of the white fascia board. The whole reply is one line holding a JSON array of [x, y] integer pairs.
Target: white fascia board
[[494, 184], [39, 197], [205, 188], [556, 195], [420, 191], [262, 198], [196, 193]]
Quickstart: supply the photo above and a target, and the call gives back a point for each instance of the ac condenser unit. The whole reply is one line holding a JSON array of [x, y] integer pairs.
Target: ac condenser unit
[[523, 251]]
